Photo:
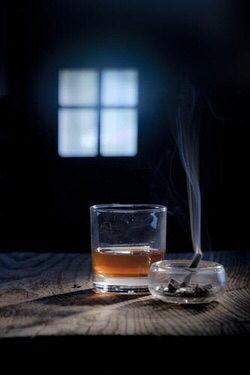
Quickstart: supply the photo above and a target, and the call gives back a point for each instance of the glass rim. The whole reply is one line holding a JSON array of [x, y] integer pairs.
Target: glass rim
[[182, 265], [123, 208]]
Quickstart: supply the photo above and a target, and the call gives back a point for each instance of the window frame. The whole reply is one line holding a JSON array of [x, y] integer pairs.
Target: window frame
[[99, 107]]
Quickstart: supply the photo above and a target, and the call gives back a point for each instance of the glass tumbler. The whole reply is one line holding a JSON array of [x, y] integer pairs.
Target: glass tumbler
[[125, 240]]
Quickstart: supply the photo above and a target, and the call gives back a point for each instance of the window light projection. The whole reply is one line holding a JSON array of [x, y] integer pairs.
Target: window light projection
[[78, 87], [98, 112], [78, 132], [119, 88], [118, 132]]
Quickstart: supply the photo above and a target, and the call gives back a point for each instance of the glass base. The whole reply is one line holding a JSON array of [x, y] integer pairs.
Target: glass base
[[120, 285]]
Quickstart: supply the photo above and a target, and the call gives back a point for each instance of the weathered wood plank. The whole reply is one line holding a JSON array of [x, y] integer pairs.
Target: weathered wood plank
[[50, 294]]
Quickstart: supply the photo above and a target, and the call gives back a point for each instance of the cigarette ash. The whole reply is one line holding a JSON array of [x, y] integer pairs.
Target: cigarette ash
[[183, 289]]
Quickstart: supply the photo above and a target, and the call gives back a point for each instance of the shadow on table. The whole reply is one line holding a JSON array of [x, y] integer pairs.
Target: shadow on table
[[157, 305], [89, 298], [39, 312], [85, 298], [36, 314]]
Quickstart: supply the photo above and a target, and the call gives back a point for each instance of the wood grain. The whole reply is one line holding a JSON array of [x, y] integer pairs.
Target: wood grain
[[50, 294]]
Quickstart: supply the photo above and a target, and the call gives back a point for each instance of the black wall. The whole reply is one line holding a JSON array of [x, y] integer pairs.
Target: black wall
[[45, 199]]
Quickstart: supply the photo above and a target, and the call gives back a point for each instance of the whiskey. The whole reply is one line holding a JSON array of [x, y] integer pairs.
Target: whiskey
[[133, 261]]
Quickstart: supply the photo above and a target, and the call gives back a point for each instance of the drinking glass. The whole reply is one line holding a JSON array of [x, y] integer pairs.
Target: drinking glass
[[125, 240]]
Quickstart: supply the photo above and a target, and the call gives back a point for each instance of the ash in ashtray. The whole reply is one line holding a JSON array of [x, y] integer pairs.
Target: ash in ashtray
[[184, 289]]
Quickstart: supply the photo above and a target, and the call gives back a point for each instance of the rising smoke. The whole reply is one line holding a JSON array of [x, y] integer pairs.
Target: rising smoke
[[187, 138]]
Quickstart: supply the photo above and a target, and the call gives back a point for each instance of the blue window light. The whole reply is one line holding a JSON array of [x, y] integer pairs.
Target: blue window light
[[98, 113]]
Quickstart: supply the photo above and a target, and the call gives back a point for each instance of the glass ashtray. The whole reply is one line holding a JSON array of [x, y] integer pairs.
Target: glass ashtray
[[175, 282]]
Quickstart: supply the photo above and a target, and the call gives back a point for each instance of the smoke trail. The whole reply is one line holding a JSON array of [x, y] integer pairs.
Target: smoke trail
[[188, 145]]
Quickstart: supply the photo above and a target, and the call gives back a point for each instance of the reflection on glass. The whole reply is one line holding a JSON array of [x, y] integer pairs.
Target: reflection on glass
[[118, 132], [119, 88], [78, 87], [77, 132]]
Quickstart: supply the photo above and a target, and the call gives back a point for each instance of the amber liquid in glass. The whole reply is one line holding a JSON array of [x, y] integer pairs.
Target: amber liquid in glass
[[133, 261]]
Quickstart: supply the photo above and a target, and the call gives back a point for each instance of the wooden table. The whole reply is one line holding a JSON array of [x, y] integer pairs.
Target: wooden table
[[45, 294]]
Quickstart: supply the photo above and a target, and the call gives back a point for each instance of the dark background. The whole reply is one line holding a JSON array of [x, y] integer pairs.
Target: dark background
[[45, 199]]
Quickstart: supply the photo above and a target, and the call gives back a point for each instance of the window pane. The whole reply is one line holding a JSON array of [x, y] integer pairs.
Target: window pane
[[78, 132], [78, 87], [118, 132], [119, 87]]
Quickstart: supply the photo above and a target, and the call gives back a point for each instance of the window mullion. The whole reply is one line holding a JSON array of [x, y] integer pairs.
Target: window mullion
[[99, 114]]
